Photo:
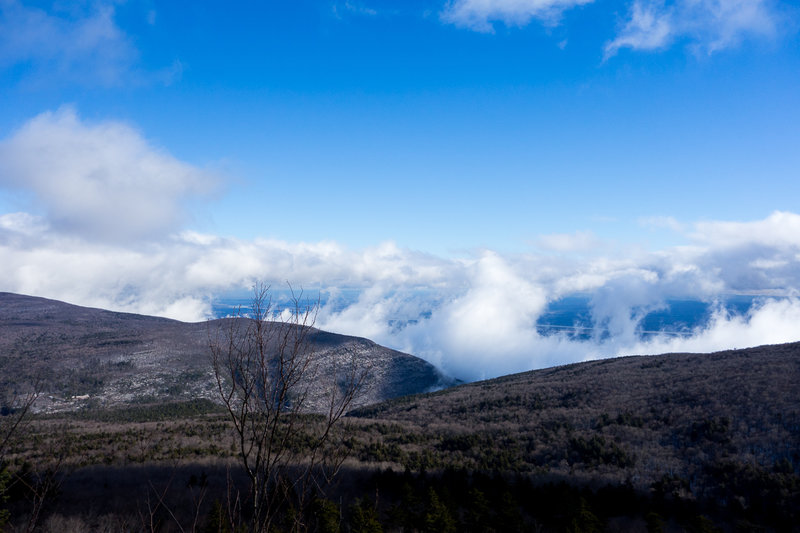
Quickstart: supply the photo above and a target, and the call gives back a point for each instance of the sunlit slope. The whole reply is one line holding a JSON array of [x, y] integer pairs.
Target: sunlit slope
[[84, 357]]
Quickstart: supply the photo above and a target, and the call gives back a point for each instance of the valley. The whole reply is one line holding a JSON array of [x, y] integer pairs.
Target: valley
[[676, 442]]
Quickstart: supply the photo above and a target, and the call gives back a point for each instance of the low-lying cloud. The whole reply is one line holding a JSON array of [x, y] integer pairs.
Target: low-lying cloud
[[473, 316], [488, 327], [106, 228]]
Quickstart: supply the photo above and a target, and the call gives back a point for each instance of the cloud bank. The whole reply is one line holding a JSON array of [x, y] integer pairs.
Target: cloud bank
[[485, 326], [107, 228], [474, 316]]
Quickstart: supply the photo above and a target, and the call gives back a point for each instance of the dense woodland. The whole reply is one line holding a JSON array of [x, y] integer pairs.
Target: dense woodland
[[666, 443]]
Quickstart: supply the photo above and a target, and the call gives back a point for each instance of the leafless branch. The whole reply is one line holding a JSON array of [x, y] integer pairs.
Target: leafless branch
[[270, 381]]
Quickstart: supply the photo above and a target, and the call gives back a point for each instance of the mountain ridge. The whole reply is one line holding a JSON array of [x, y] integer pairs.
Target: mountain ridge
[[89, 357], [637, 419], [691, 438]]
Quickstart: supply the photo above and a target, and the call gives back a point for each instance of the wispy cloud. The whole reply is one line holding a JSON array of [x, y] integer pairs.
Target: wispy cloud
[[706, 25], [480, 15], [662, 222], [569, 242], [650, 27], [79, 44], [341, 9], [359, 9]]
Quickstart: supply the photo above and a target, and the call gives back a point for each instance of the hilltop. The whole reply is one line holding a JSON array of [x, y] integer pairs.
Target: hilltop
[[85, 357], [718, 432], [636, 418]]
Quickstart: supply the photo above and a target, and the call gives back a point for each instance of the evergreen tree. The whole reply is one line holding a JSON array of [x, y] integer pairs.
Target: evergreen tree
[[326, 516], [217, 520], [478, 512], [4, 479], [509, 517], [364, 518], [584, 520], [438, 518]]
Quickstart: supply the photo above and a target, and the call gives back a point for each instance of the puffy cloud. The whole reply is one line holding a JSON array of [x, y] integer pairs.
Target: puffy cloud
[[177, 276], [480, 14], [708, 25], [771, 321], [485, 325], [475, 316], [110, 238], [780, 230], [68, 42], [100, 181]]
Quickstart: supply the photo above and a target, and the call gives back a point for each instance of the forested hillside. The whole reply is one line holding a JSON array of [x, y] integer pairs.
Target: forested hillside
[[661, 443]]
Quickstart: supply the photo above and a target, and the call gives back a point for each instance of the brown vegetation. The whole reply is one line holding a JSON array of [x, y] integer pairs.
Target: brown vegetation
[[674, 442]]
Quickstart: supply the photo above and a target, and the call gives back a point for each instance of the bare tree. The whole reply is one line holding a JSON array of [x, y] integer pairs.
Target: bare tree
[[158, 510], [14, 410], [285, 402]]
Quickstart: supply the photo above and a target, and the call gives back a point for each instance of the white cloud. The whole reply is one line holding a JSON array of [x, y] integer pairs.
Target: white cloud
[[650, 27], [484, 325], [780, 229], [109, 237], [662, 222], [100, 181], [359, 9], [773, 321], [480, 15], [21, 224], [569, 242], [707, 25], [474, 316], [347, 8], [68, 42]]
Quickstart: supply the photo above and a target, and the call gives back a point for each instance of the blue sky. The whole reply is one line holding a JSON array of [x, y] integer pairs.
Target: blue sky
[[154, 155]]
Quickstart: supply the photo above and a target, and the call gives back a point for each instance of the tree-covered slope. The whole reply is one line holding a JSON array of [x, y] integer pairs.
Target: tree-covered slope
[[83, 357]]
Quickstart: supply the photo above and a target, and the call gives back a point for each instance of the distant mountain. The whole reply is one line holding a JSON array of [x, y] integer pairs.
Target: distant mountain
[[85, 357]]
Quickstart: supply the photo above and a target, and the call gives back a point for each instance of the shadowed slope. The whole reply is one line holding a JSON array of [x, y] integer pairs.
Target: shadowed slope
[[685, 425]]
